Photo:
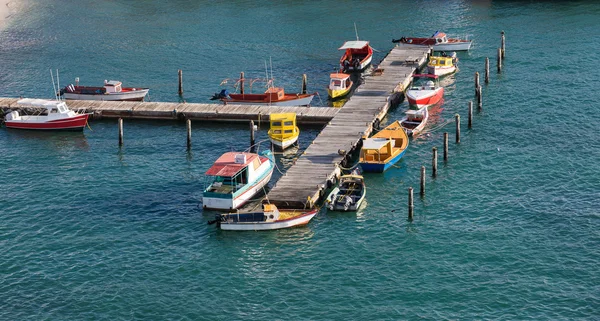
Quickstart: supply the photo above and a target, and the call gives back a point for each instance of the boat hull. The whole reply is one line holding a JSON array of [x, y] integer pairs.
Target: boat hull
[[453, 46], [281, 145], [441, 71], [76, 123], [228, 202], [410, 128], [265, 226], [301, 101], [137, 95], [338, 93], [381, 167], [420, 99]]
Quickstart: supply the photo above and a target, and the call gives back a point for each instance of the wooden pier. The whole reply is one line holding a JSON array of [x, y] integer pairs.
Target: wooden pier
[[305, 183], [192, 111]]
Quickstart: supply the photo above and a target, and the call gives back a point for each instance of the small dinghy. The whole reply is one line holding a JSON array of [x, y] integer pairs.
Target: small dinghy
[[348, 195], [414, 121]]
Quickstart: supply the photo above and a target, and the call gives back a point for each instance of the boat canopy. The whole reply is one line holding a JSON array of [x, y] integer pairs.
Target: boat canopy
[[229, 164], [375, 143], [340, 76], [58, 105], [425, 76], [355, 44]]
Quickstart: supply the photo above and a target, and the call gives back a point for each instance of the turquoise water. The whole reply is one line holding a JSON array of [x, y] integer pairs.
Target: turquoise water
[[508, 229]]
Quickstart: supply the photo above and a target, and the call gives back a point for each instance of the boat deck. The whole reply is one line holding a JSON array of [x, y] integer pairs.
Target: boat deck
[[304, 183], [193, 111]]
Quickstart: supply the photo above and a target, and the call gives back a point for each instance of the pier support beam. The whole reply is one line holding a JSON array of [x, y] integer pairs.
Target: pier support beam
[[470, 114], [189, 134], [422, 181], [502, 45], [445, 147], [457, 120], [120, 132], [499, 60], [411, 205], [242, 82], [476, 81], [304, 84], [487, 70], [480, 99], [252, 134], [434, 162], [180, 90]]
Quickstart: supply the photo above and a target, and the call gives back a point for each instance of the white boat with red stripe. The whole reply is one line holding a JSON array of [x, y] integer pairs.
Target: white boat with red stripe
[[269, 218], [424, 94], [51, 115]]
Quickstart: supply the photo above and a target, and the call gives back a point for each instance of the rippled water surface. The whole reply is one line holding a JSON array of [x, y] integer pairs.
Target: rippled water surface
[[508, 229]]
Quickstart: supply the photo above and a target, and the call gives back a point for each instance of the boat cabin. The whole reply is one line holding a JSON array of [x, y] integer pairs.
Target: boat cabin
[[440, 37], [339, 81], [414, 115], [283, 126], [356, 51], [53, 108], [423, 82], [378, 149], [275, 93], [232, 171], [440, 61], [113, 86]]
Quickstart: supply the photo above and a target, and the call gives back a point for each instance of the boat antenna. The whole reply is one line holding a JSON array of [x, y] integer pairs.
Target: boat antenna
[[272, 79], [57, 86], [53, 87], [267, 72], [356, 31]]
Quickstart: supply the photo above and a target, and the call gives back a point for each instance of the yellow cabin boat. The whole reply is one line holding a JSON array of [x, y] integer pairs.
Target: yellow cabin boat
[[283, 131], [384, 149], [339, 85], [442, 65]]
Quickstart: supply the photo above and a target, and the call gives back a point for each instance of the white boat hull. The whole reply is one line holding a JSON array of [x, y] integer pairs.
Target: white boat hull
[[231, 204], [137, 95], [305, 101], [264, 226], [457, 46], [284, 144], [441, 71]]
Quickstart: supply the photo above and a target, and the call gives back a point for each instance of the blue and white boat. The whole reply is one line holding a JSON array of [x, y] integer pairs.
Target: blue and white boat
[[384, 149], [237, 178]]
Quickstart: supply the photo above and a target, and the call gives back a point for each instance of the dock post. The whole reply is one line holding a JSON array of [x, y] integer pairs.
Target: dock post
[[189, 134], [422, 181], [480, 99], [487, 70], [470, 114], [445, 146], [411, 205], [304, 83], [120, 131], [242, 82], [434, 162], [457, 120], [180, 73], [252, 134], [476, 81], [499, 60], [502, 45]]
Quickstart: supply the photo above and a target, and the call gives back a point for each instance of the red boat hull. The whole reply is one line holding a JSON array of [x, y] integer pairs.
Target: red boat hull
[[74, 123], [427, 101]]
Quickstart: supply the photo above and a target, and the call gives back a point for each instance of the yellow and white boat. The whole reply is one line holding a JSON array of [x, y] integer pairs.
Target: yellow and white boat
[[283, 131], [442, 65], [339, 85]]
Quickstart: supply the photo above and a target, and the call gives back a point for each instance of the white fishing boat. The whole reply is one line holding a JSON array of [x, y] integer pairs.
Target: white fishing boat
[[348, 195], [439, 41], [111, 91], [237, 177], [442, 65], [414, 121], [269, 218], [51, 115]]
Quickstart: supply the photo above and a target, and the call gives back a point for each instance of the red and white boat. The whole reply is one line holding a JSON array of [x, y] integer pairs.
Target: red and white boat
[[439, 41], [357, 55], [414, 121], [111, 91], [53, 115], [273, 96], [269, 218], [426, 94]]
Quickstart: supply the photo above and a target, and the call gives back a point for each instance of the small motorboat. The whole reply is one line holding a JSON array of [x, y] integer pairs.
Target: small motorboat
[[424, 94], [52, 115], [283, 132], [237, 177], [357, 55], [384, 149], [439, 41], [348, 195], [442, 65], [414, 121], [339, 85], [111, 91], [270, 218]]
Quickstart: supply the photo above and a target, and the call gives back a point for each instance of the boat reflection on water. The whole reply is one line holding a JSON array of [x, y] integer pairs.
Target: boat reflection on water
[[61, 141]]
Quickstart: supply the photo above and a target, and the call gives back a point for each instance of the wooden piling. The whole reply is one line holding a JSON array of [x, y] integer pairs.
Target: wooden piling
[[242, 82], [304, 83], [445, 146], [422, 181], [252, 133], [502, 45], [120, 131], [476, 81], [470, 114], [487, 70], [180, 73], [189, 134], [499, 60], [434, 162], [480, 99], [457, 121], [411, 205]]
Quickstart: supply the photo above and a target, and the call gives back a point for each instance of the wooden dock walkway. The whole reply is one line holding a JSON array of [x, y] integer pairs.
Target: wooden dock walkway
[[304, 184], [193, 111]]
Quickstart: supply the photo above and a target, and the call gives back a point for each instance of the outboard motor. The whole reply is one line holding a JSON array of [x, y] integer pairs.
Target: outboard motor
[[224, 94]]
